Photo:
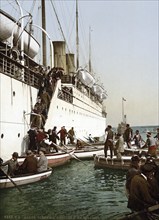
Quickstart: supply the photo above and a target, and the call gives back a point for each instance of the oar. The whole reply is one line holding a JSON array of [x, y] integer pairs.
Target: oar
[[131, 216], [72, 155], [84, 142], [11, 180]]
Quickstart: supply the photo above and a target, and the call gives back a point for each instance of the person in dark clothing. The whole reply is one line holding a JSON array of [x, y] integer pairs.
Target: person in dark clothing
[[79, 145], [154, 180], [157, 135], [137, 138], [133, 170], [128, 135], [53, 137], [32, 139], [140, 192], [109, 141], [30, 163]]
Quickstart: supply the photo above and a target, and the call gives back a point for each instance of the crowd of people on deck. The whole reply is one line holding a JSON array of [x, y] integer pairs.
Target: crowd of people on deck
[[142, 187], [115, 142], [48, 81]]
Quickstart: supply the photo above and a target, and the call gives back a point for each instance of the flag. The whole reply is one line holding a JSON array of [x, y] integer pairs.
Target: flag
[[124, 99]]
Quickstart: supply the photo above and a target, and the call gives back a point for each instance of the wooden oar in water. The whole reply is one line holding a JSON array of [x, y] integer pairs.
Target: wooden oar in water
[[72, 155], [134, 214], [11, 180]]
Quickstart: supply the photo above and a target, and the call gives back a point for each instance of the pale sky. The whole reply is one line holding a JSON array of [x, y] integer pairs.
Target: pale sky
[[124, 51]]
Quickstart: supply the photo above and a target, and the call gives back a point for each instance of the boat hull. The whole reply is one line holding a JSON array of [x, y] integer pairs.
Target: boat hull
[[120, 164], [88, 153], [25, 179], [54, 159]]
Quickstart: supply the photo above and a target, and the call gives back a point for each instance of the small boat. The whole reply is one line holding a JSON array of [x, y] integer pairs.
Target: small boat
[[114, 163], [135, 151], [54, 159], [89, 152], [9, 26], [7, 182], [152, 213]]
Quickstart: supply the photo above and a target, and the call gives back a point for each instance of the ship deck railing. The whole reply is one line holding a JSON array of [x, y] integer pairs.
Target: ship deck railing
[[16, 70], [67, 79]]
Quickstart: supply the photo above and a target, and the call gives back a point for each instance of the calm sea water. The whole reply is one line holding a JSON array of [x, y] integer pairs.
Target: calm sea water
[[73, 191]]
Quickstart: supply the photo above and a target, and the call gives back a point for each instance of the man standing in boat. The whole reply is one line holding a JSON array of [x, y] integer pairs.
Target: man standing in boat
[[150, 143], [71, 135], [109, 141], [137, 138], [63, 134], [128, 135]]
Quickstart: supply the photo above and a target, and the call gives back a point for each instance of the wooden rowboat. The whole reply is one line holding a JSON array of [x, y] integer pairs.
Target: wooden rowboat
[[19, 180], [135, 151], [54, 159], [122, 164], [88, 152]]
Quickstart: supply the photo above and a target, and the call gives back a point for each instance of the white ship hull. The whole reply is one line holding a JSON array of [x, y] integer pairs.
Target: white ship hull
[[15, 101], [19, 87]]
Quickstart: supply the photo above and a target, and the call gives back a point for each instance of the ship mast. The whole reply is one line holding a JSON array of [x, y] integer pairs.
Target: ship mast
[[90, 67], [43, 34], [77, 37]]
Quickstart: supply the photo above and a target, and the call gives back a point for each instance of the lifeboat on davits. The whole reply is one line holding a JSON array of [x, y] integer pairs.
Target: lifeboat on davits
[[98, 90], [103, 95], [85, 77], [8, 25]]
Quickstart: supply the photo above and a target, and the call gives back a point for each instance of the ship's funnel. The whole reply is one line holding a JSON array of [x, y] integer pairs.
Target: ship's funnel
[[60, 54]]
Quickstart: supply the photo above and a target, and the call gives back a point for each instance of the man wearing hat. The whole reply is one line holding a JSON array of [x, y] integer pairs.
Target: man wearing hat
[[140, 193], [43, 161], [150, 143], [13, 164], [133, 170]]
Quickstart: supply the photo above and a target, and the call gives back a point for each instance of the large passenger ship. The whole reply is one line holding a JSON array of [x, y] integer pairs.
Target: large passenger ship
[[76, 100]]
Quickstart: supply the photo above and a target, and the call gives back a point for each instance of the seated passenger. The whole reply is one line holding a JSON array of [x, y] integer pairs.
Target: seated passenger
[[12, 164], [30, 163], [90, 138], [79, 145], [43, 161]]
